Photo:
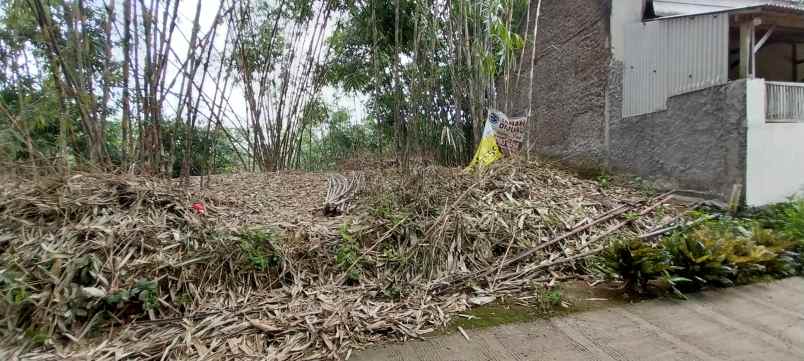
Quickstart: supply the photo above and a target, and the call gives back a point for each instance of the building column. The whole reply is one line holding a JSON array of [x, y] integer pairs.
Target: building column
[[747, 67]]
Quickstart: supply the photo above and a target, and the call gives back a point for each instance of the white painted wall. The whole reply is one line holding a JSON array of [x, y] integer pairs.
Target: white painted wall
[[623, 12], [775, 154]]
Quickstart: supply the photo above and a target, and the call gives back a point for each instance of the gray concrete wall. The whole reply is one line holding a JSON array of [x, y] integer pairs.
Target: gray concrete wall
[[698, 143], [570, 75], [614, 102]]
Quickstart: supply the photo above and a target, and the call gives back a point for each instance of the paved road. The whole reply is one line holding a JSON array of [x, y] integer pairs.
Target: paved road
[[757, 322]]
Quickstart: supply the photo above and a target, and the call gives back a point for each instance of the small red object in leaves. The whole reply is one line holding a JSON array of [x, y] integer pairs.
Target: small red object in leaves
[[199, 208]]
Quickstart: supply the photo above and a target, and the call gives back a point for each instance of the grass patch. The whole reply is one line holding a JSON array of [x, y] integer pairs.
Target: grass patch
[[494, 315], [565, 299]]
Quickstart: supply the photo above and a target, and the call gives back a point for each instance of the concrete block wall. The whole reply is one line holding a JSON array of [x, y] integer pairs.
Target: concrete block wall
[[706, 141], [570, 76], [698, 143]]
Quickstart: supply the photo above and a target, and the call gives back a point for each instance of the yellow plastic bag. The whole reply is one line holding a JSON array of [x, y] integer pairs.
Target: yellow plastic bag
[[487, 151]]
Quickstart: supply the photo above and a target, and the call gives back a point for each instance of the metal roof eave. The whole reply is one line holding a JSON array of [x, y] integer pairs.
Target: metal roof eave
[[736, 11]]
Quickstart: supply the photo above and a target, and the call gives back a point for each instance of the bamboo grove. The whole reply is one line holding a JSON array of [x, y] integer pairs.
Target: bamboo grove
[[189, 87]]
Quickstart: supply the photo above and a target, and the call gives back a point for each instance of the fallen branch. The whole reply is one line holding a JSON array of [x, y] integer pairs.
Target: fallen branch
[[662, 199], [485, 272], [664, 230]]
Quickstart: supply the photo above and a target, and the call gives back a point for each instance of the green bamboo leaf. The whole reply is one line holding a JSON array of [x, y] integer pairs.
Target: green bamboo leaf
[[517, 42], [489, 65]]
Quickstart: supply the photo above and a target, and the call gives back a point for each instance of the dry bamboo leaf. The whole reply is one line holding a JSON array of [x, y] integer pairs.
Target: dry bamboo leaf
[[93, 292], [448, 226], [264, 326], [466, 336]]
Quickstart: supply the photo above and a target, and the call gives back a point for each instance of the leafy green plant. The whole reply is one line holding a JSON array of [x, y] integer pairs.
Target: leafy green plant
[[392, 291], [631, 216], [604, 181], [13, 287], [720, 252], [18, 295], [548, 300], [257, 246], [747, 260], [347, 257], [118, 298], [37, 336], [730, 251], [145, 293], [787, 218], [635, 262], [644, 185], [780, 255], [553, 297], [702, 256]]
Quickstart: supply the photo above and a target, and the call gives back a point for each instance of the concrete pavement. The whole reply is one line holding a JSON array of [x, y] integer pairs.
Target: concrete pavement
[[756, 322]]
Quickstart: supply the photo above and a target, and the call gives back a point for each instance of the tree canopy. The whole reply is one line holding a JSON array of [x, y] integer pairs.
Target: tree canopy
[[239, 84]]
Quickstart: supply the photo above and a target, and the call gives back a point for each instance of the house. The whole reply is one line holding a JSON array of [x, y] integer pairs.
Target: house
[[699, 95]]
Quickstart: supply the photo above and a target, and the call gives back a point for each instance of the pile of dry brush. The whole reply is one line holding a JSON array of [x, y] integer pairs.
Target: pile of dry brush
[[107, 267]]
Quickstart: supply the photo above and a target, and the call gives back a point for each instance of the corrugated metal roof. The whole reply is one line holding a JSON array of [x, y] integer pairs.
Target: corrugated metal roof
[[664, 8], [672, 57]]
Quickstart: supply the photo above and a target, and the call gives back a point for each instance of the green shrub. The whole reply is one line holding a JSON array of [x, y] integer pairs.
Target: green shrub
[[37, 336], [731, 251], [14, 288], [257, 246], [548, 300], [145, 293], [720, 252], [347, 257], [702, 256], [554, 297], [635, 262], [786, 218], [603, 181], [786, 252]]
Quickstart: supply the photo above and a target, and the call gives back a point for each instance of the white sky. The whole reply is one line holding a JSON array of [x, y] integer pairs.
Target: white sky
[[336, 98]]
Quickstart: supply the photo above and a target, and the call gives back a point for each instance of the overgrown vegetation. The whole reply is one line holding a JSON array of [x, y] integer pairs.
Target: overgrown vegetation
[[636, 263], [552, 298], [257, 246], [176, 90], [144, 292], [416, 246], [722, 252], [347, 257]]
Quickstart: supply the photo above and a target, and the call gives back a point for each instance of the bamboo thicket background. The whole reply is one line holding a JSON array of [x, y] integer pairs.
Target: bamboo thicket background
[[186, 88]]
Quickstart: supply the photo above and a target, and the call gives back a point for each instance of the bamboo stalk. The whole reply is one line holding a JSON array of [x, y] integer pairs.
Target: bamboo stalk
[[531, 122]]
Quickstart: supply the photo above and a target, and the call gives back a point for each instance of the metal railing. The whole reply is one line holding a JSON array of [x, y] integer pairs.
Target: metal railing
[[785, 102]]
